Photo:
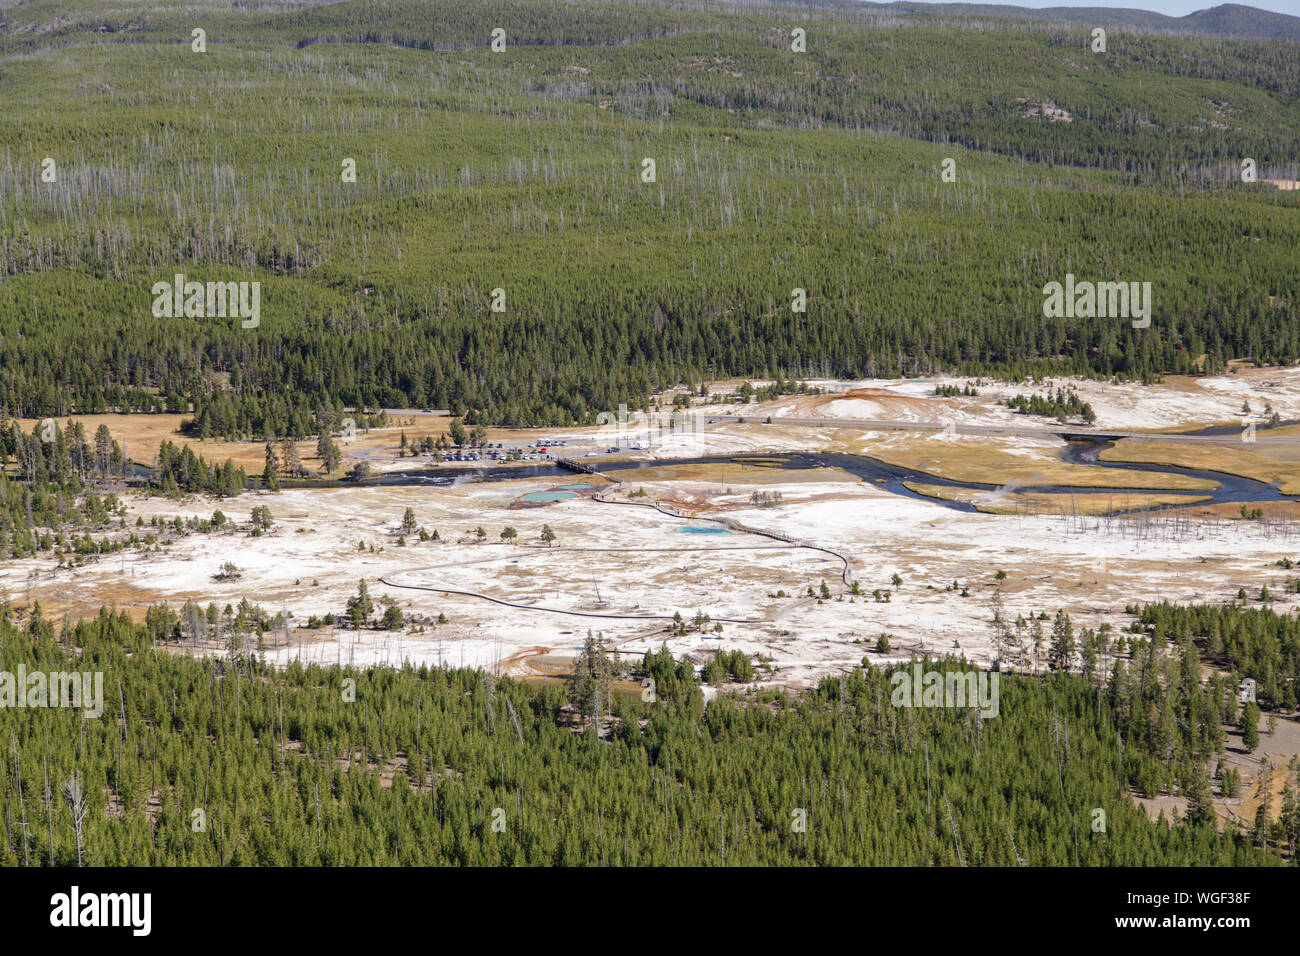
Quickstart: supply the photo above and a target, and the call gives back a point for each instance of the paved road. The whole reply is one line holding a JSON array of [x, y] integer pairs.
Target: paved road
[[1061, 431]]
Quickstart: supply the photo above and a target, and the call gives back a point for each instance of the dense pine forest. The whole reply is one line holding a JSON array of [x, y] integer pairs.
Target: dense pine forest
[[207, 761], [606, 200], [1255, 642], [515, 180]]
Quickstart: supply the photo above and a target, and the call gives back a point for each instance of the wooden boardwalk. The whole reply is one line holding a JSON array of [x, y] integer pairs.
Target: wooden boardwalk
[[606, 495]]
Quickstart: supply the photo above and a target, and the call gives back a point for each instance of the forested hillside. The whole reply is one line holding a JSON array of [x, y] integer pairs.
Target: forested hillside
[[1222, 20], [522, 171], [228, 762]]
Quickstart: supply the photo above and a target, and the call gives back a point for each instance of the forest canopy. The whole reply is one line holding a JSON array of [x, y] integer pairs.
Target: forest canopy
[[515, 179]]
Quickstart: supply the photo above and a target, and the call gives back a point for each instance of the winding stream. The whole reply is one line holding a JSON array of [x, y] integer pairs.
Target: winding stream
[[1232, 489]]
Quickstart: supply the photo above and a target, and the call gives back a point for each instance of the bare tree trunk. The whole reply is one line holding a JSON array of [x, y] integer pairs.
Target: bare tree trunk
[[48, 797], [76, 798], [22, 806]]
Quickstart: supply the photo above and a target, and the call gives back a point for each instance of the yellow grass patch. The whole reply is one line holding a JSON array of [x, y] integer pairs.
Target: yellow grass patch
[[1039, 503], [731, 473], [985, 463], [1264, 462], [141, 435]]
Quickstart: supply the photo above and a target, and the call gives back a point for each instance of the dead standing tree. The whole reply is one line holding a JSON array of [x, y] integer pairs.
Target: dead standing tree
[[76, 797], [22, 804]]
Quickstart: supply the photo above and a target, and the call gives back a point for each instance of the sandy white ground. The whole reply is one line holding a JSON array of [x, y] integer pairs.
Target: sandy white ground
[[1180, 403], [310, 565], [619, 559]]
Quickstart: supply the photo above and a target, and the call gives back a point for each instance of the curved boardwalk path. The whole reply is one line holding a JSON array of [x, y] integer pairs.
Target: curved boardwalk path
[[553, 610], [732, 524], [605, 497]]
